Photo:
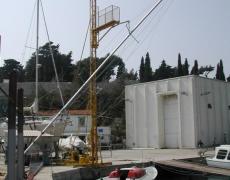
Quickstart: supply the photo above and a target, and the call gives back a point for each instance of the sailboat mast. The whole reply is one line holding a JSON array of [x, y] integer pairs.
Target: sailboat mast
[[37, 52]]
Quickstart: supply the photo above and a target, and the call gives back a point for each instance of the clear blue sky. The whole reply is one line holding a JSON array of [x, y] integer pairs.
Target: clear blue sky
[[198, 29]]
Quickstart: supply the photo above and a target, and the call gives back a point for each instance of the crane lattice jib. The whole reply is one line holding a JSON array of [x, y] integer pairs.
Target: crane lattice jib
[[99, 21], [92, 91]]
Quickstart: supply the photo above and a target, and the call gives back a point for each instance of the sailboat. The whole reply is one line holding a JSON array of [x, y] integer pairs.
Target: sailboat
[[36, 121]]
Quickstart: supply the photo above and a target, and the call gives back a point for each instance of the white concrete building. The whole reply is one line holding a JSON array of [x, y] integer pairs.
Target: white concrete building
[[178, 113]]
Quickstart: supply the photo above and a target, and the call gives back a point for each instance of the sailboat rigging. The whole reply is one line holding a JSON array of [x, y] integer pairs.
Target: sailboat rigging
[[40, 124]]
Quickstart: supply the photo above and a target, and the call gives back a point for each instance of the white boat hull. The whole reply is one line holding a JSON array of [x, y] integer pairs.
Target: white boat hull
[[56, 129], [217, 163], [221, 159]]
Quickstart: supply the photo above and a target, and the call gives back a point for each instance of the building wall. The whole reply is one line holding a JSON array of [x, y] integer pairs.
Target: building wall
[[177, 113], [29, 91], [212, 111]]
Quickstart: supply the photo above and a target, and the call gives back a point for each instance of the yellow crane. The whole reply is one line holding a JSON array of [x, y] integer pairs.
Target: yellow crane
[[98, 22], [92, 87]]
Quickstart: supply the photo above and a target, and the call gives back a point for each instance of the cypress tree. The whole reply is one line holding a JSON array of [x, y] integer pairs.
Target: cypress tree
[[148, 70], [142, 70], [218, 71], [164, 71], [222, 76], [195, 70], [179, 66], [185, 67]]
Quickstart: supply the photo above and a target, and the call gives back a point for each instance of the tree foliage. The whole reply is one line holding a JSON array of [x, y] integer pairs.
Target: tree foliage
[[121, 70], [82, 69], [145, 70], [164, 71], [185, 67], [131, 75], [195, 69], [222, 75], [142, 70], [179, 66], [220, 71], [9, 66], [63, 64], [148, 73], [205, 70]]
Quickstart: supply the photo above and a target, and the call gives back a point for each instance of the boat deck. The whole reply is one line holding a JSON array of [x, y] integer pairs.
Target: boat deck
[[202, 168]]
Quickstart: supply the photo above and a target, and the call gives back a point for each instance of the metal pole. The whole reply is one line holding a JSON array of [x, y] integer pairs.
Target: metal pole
[[20, 164], [92, 75], [11, 170], [37, 54]]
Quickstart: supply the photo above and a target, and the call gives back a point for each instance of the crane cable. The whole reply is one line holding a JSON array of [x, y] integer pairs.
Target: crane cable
[[83, 48]]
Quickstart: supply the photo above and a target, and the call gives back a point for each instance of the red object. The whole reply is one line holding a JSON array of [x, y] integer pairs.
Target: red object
[[136, 173], [114, 174]]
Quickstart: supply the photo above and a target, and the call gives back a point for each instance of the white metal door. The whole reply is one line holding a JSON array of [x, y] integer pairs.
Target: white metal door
[[171, 121]]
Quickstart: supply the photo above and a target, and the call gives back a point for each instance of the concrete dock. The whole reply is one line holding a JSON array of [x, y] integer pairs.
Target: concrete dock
[[119, 157]]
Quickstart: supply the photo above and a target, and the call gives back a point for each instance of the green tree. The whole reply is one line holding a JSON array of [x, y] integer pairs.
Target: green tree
[[179, 66], [132, 75], [164, 71], [82, 69], [222, 75], [63, 64], [121, 71], [108, 70], [185, 67], [142, 70], [148, 73], [48, 100], [111, 105], [9, 66], [218, 71], [195, 70]]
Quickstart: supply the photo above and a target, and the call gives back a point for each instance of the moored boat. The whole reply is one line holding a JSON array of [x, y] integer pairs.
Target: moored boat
[[221, 158], [148, 173]]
